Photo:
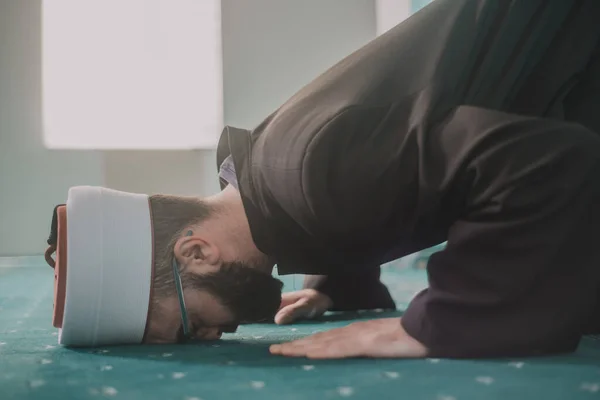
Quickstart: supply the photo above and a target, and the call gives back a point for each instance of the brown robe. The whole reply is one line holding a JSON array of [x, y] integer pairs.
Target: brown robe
[[474, 122]]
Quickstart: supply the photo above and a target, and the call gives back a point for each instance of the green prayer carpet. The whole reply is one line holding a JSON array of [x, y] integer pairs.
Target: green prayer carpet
[[34, 366]]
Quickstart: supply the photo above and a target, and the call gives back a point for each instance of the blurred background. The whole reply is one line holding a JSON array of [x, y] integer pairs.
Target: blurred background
[[81, 83]]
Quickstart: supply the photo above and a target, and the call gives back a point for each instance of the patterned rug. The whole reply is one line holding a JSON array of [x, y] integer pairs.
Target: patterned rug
[[33, 366]]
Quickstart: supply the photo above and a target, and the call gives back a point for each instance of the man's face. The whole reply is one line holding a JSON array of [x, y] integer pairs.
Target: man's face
[[208, 318], [216, 303]]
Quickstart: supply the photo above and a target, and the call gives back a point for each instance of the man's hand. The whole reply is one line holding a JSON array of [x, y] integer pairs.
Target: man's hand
[[306, 303], [379, 338]]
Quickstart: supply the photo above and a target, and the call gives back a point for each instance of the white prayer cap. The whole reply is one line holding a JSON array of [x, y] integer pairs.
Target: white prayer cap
[[108, 267]]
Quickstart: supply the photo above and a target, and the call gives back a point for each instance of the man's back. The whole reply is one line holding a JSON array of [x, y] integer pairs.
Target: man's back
[[359, 131]]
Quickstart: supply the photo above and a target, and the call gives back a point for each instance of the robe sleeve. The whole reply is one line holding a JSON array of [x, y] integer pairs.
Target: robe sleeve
[[360, 290], [520, 274]]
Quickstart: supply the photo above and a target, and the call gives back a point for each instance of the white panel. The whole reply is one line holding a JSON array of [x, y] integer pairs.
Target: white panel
[[33, 179], [272, 48], [390, 13], [132, 74]]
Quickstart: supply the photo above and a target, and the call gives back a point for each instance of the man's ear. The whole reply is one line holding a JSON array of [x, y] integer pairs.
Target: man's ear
[[195, 250]]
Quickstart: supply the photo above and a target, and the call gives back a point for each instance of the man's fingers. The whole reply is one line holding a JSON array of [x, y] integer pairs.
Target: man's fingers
[[336, 343], [291, 312], [301, 308], [289, 298], [306, 303], [384, 338]]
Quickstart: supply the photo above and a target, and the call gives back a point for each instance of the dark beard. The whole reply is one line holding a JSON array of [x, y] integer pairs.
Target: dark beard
[[250, 295]]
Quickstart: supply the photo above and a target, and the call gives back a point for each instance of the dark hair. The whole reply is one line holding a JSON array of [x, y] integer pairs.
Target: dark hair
[[249, 294], [170, 216]]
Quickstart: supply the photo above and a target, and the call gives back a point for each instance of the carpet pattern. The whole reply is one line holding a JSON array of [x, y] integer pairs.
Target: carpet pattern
[[33, 366]]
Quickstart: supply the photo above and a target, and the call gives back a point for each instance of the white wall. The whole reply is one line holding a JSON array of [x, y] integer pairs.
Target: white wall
[[390, 13], [188, 173], [32, 179], [274, 47], [271, 49]]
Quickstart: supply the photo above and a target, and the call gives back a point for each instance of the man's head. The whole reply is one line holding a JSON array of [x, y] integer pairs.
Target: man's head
[[126, 263], [225, 279]]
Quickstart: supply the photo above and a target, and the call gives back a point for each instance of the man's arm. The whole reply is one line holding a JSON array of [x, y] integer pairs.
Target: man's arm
[[348, 292]]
